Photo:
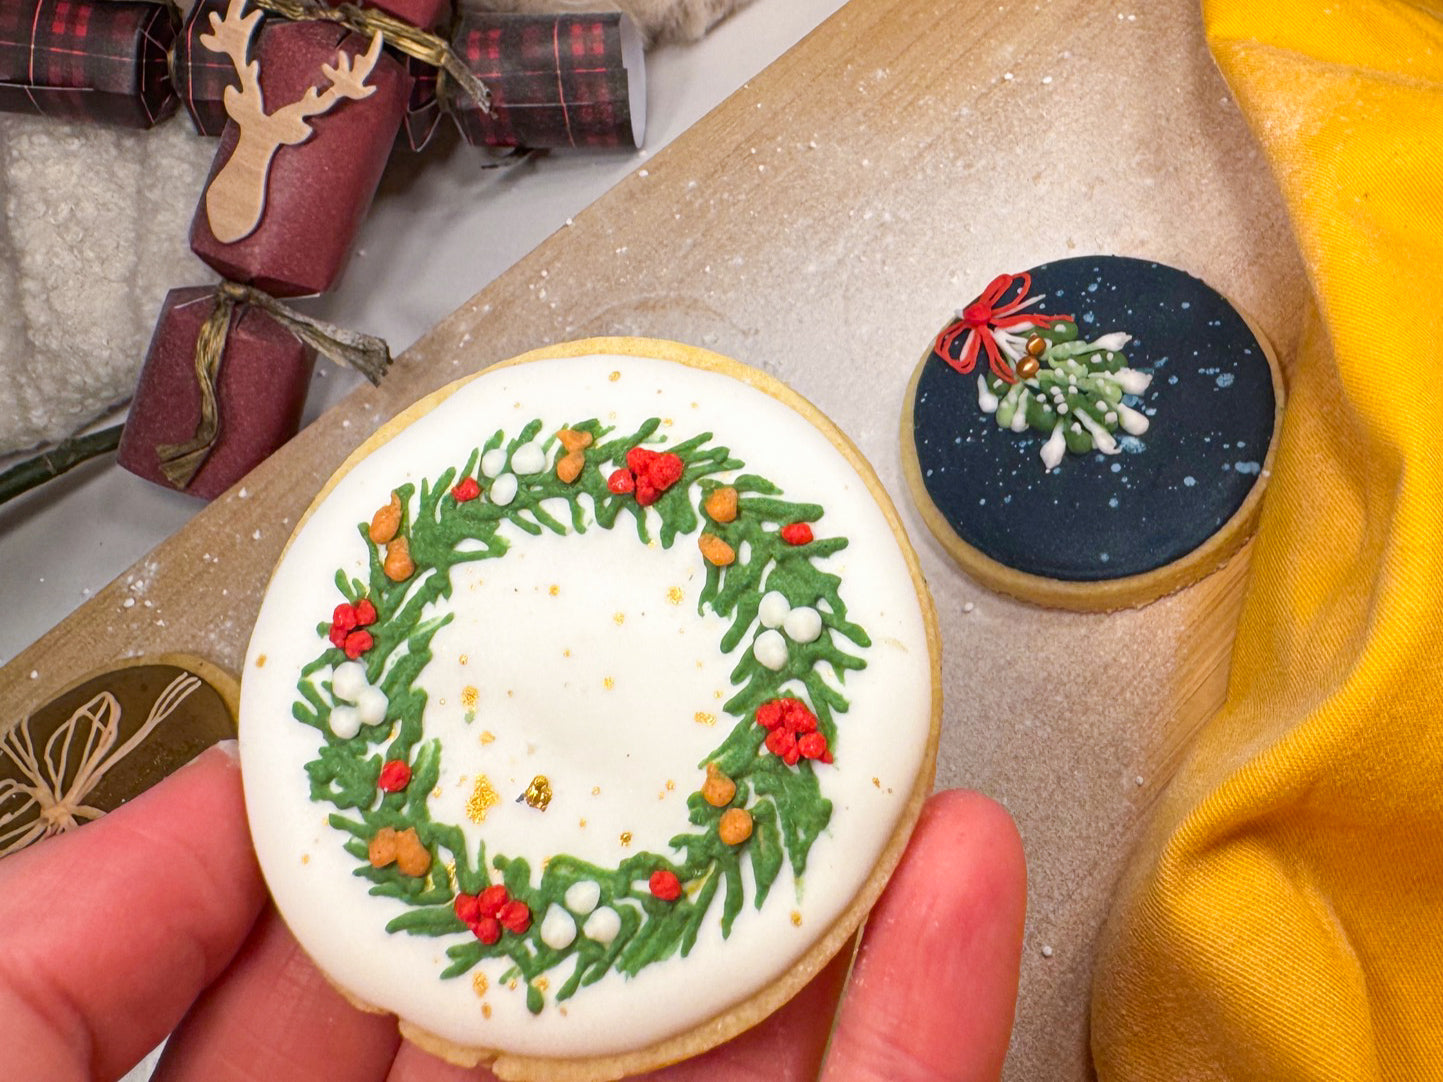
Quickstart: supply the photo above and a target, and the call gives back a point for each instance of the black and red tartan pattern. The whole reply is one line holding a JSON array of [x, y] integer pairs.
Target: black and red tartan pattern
[[98, 60], [200, 75], [423, 110], [555, 81]]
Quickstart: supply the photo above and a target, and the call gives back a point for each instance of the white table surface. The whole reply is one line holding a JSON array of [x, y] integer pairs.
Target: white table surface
[[441, 229]]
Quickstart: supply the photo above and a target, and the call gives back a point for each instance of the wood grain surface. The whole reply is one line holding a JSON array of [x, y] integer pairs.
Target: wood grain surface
[[822, 224]]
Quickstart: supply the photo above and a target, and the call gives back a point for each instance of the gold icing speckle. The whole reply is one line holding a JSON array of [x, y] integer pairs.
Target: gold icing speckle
[[541, 984], [701, 717], [619, 618], [566, 653], [596, 790], [464, 658], [668, 422], [614, 376], [797, 917], [480, 983], [583, 824], [450, 867], [555, 589], [305, 858], [483, 798], [877, 782], [675, 595], [487, 737], [626, 837], [261, 661], [485, 1010], [608, 683], [469, 695], [670, 785], [538, 793]]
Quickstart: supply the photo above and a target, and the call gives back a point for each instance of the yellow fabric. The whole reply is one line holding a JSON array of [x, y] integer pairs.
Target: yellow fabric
[[1283, 919]]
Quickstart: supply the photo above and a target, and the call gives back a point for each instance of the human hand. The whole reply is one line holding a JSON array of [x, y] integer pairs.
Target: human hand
[[154, 919]]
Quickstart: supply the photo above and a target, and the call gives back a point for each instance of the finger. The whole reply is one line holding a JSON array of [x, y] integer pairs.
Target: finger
[[273, 1017], [787, 1046], [935, 982], [111, 931]]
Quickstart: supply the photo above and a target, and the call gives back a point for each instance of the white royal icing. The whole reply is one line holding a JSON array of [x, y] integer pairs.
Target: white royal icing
[[588, 669]]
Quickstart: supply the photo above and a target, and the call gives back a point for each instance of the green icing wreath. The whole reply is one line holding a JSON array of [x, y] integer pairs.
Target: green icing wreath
[[388, 626]]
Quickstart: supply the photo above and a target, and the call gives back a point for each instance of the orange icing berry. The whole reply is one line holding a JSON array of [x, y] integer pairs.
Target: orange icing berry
[[386, 521]]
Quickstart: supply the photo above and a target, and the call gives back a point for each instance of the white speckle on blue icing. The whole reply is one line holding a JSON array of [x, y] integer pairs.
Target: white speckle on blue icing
[[1131, 444], [1116, 467], [1189, 480], [1187, 304], [1247, 467], [1226, 379], [1112, 501]]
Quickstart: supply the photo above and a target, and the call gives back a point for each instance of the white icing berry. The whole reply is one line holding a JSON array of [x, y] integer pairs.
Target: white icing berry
[[803, 624], [345, 721], [503, 489], [529, 458], [349, 680], [493, 462], [558, 928], [371, 706], [773, 609], [602, 925], [582, 897], [770, 649]]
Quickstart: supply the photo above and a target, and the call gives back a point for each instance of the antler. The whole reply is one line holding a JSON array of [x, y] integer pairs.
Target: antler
[[348, 80], [231, 37]]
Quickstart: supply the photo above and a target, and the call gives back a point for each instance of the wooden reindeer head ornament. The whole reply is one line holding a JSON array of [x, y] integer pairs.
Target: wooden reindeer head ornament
[[235, 199]]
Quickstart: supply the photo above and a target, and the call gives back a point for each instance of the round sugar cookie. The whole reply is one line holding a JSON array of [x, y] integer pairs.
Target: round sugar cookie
[[589, 708], [1093, 433]]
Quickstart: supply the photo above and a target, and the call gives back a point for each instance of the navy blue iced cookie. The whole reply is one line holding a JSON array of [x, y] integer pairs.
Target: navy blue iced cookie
[[1093, 433]]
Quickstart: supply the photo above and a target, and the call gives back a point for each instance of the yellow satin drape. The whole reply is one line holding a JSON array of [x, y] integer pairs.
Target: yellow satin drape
[[1283, 917]]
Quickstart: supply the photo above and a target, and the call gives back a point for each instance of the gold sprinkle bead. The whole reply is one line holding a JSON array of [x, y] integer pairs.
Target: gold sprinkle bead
[[675, 595], [261, 661], [480, 983], [541, 984], [1028, 367], [596, 790], [487, 737], [464, 658], [626, 837], [701, 717], [614, 376], [797, 917], [483, 799], [538, 793], [608, 683], [485, 1010], [555, 589], [305, 858], [469, 695], [1036, 345], [619, 618]]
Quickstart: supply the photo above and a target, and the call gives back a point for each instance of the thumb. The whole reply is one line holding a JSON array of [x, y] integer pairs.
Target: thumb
[[935, 980], [107, 934]]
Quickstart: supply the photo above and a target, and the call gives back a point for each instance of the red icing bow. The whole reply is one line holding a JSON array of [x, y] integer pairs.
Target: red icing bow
[[985, 316]]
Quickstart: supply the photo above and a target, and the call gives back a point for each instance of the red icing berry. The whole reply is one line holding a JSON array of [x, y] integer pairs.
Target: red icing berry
[[621, 482], [357, 643], [639, 460], [486, 929], [492, 899], [783, 745], [646, 493], [344, 618], [769, 714], [467, 911], [797, 533], [665, 885], [365, 612], [515, 916], [814, 746], [337, 636], [797, 718], [664, 470], [395, 776], [468, 489]]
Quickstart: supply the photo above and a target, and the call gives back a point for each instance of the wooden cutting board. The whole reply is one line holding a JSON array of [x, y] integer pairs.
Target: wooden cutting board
[[822, 224]]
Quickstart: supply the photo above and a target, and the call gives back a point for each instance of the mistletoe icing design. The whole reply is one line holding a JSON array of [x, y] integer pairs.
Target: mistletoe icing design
[[1042, 375], [757, 800]]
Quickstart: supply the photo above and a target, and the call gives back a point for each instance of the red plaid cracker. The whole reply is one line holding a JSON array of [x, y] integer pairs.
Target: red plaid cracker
[[98, 60], [200, 75], [555, 81]]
